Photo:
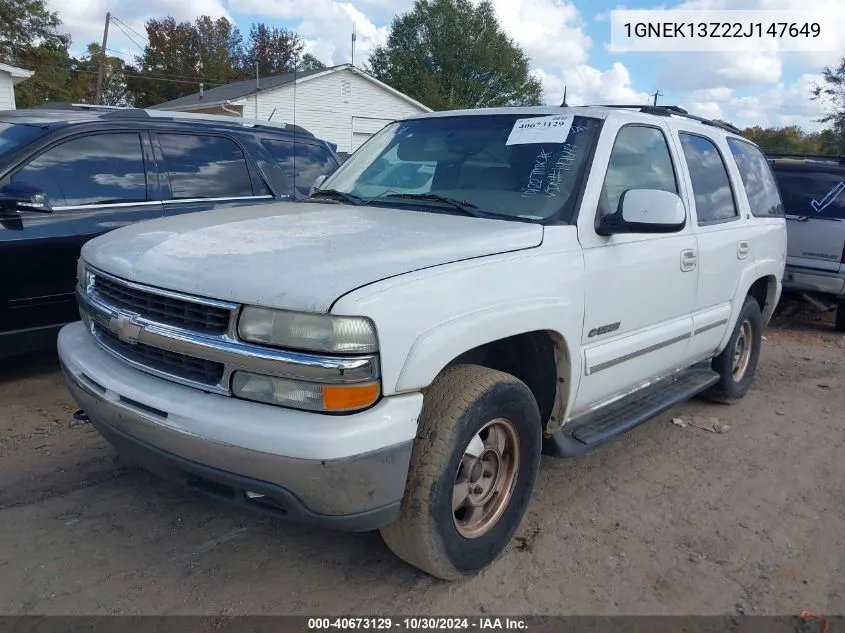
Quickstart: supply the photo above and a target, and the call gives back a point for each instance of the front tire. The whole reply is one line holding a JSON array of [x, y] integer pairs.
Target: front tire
[[473, 468], [737, 363]]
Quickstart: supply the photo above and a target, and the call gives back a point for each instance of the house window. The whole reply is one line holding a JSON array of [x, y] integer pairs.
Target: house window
[[345, 89]]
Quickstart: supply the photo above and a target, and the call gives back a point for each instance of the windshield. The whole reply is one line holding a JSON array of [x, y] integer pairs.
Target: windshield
[[13, 136], [510, 166]]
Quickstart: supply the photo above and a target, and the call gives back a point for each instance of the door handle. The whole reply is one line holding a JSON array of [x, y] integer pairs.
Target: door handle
[[742, 249], [688, 260]]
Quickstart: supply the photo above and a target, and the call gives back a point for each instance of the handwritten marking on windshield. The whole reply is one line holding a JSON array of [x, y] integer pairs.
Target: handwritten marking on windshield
[[829, 199], [537, 175]]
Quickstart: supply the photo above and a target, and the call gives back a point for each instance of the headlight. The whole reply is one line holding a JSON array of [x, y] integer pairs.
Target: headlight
[[298, 394], [305, 331], [84, 276]]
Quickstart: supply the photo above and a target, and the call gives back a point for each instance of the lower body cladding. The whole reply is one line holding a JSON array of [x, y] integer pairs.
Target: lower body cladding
[[345, 472]]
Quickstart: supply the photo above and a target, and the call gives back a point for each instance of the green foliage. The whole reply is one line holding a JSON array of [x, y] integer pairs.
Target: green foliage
[[832, 92], [309, 62], [115, 91], [181, 55], [451, 54], [274, 50], [793, 140], [26, 25]]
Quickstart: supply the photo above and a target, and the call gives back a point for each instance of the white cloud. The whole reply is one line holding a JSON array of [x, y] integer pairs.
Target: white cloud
[[587, 85], [326, 26], [550, 31]]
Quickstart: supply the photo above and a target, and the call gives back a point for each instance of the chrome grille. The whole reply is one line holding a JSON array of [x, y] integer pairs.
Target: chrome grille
[[188, 315], [189, 368]]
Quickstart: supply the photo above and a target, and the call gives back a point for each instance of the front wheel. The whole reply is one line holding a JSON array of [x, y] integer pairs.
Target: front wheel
[[737, 363], [473, 468]]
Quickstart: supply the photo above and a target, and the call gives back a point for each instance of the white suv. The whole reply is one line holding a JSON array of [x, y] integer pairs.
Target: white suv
[[398, 356]]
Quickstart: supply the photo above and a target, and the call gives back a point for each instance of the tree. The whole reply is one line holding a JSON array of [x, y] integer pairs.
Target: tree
[[454, 54], [832, 93], [309, 62], [170, 65], [220, 46], [30, 38], [115, 89], [26, 25], [792, 140], [274, 50]]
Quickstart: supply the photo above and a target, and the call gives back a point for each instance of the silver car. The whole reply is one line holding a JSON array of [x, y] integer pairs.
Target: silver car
[[813, 192]]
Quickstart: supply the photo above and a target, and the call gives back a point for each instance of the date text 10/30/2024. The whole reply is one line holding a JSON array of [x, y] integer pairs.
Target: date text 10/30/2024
[[417, 624]]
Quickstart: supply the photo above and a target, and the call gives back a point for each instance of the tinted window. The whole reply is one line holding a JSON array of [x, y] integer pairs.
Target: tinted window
[[304, 163], [710, 183], [640, 160], [812, 192], [90, 170], [205, 167], [760, 186]]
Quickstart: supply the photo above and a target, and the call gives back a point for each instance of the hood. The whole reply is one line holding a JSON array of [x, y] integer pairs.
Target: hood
[[300, 256]]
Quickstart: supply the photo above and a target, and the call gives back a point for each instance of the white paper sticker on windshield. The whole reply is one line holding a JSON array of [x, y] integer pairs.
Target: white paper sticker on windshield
[[542, 129]]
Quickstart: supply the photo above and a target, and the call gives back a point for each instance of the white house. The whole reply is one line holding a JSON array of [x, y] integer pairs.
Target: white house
[[9, 78], [341, 104]]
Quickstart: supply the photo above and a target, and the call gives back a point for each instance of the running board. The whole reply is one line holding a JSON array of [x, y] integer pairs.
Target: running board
[[598, 427]]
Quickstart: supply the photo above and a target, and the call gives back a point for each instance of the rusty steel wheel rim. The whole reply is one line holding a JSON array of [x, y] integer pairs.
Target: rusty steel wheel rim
[[742, 351], [486, 478]]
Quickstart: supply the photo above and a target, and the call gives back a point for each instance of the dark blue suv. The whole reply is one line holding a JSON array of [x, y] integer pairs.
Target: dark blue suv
[[69, 173]]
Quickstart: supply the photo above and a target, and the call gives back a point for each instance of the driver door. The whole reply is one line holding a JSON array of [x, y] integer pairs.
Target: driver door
[[95, 183], [640, 288]]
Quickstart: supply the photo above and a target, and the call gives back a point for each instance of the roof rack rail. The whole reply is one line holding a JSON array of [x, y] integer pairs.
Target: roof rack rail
[[669, 110], [58, 105], [149, 113], [840, 158]]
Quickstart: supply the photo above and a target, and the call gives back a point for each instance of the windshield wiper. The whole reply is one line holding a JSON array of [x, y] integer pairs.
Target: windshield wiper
[[465, 206], [335, 194]]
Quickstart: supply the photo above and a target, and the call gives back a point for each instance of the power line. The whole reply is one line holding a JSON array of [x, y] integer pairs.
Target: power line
[[117, 23], [143, 38]]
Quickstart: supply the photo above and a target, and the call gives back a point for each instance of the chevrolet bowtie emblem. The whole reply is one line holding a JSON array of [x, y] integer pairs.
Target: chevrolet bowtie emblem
[[124, 327]]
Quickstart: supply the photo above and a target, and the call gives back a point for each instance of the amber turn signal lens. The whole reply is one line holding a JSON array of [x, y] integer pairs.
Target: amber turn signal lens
[[345, 397]]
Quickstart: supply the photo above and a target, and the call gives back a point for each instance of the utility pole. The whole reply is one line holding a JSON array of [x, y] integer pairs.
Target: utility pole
[[657, 94], [101, 70], [353, 43]]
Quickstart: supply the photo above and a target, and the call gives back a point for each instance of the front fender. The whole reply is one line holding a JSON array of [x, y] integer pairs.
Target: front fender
[[437, 347]]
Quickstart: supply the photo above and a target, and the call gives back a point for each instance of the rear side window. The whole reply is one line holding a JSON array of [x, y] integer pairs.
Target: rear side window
[[812, 192], [711, 185], [205, 167], [757, 178], [302, 162], [97, 169]]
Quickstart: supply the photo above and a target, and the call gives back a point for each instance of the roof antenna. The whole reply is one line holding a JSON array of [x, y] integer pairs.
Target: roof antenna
[[564, 104]]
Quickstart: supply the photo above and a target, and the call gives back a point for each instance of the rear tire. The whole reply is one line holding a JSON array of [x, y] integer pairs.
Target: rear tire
[[473, 468], [840, 316], [737, 363]]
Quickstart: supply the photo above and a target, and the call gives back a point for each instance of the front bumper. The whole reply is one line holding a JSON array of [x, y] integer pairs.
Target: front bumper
[[345, 472]]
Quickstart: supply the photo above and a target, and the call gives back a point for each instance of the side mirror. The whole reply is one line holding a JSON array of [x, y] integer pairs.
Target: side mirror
[[645, 211], [317, 182], [19, 196]]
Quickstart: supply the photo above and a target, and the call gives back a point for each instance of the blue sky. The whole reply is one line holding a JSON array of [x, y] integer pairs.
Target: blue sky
[[567, 40]]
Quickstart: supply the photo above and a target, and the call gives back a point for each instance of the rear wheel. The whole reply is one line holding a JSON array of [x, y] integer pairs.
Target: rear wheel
[[840, 316], [737, 363], [473, 469]]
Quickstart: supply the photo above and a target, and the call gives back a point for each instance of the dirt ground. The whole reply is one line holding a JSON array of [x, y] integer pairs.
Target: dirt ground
[[666, 520]]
